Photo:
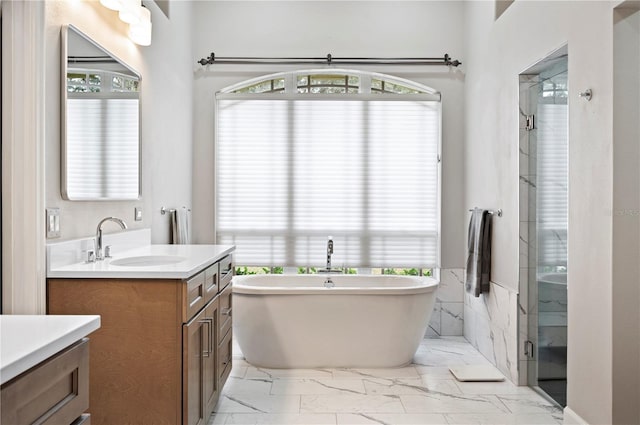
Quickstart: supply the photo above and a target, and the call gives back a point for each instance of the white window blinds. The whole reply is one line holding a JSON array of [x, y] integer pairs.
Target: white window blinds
[[293, 170], [102, 147], [552, 169]]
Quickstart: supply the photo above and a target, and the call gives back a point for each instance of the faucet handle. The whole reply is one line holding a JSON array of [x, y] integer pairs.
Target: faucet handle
[[91, 256], [107, 251]]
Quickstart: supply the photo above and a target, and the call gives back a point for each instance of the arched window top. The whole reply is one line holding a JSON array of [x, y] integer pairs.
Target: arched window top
[[329, 81]]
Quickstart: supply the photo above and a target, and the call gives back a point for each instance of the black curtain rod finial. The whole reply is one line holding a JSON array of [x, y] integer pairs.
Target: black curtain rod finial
[[208, 61]]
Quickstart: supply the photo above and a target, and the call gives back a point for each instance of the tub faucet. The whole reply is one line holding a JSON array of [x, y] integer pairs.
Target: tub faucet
[[328, 269], [99, 253]]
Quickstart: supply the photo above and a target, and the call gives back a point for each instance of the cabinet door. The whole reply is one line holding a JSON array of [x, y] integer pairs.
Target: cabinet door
[[195, 335], [211, 390]]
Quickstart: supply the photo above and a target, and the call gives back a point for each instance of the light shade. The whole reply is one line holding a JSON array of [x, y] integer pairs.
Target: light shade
[[131, 11], [140, 32], [112, 4]]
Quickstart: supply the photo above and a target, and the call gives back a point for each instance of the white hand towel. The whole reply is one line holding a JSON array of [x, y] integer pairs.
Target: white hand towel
[[180, 232]]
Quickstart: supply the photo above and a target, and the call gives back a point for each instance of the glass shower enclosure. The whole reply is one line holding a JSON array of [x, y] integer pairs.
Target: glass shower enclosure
[[545, 110]]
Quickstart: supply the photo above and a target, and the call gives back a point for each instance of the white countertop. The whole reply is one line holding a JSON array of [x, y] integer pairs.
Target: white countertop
[[197, 257], [26, 341]]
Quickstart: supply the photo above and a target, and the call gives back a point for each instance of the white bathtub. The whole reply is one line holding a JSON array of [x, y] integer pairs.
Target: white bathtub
[[364, 321]]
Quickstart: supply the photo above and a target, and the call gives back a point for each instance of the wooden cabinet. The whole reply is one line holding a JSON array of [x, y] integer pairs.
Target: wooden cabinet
[[156, 357], [55, 391], [198, 357]]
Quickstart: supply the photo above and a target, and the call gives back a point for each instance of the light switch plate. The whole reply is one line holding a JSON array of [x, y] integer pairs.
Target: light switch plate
[[53, 223], [138, 214]]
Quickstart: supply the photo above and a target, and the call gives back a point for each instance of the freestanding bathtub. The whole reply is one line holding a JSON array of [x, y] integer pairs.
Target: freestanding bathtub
[[365, 321]]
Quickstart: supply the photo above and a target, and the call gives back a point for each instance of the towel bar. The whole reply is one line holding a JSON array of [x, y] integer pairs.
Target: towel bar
[[163, 210], [498, 212]]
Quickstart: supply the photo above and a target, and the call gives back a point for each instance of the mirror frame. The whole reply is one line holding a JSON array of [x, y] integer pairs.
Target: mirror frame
[[64, 50]]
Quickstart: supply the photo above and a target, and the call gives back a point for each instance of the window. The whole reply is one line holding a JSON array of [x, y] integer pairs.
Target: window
[[93, 81], [327, 157]]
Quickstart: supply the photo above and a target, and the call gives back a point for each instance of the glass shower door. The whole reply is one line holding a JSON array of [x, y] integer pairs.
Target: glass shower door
[[548, 274]]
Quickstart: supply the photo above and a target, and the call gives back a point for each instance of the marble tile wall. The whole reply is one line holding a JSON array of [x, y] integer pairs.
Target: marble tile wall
[[448, 314], [491, 326]]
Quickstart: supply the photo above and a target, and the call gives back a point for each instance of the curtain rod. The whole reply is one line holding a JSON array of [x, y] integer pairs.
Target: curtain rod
[[328, 60]]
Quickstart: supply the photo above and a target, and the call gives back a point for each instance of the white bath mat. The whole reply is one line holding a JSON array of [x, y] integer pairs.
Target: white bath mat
[[478, 373]]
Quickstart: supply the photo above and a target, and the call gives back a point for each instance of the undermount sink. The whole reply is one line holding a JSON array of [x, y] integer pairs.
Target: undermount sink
[[148, 260]]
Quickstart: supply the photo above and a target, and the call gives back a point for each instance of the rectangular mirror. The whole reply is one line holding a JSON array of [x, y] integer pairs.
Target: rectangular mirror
[[100, 153]]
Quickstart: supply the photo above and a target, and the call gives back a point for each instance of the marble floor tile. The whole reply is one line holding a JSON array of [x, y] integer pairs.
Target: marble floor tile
[[496, 388], [350, 403], [424, 392], [281, 419], [501, 419], [238, 371], [236, 385], [257, 403], [390, 419], [528, 402], [271, 374], [404, 386], [218, 419], [451, 403], [317, 386], [401, 372], [435, 372]]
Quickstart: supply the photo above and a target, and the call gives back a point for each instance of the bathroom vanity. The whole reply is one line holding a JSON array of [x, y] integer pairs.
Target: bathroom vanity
[[44, 369], [163, 352]]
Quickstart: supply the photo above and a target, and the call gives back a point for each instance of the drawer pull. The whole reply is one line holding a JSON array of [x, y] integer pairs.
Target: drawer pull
[[226, 312]]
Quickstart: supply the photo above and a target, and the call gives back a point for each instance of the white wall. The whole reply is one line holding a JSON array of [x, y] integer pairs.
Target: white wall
[[315, 28], [626, 217], [166, 114], [496, 52]]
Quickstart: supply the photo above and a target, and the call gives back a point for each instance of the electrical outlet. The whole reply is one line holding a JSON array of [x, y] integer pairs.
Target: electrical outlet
[[138, 214], [53, 223]]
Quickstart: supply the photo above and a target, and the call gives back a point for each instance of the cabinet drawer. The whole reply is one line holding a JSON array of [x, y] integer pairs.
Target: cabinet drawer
[[54, 392], [194, 296], [226, 312], [224, 356], [211, 282], [226, 271]]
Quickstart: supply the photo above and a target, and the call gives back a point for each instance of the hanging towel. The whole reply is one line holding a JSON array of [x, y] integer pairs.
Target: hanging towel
[[479, 255], [180, 226]]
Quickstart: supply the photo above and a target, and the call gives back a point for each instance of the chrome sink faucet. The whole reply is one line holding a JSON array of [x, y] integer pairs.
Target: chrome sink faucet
[[123, 225]]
